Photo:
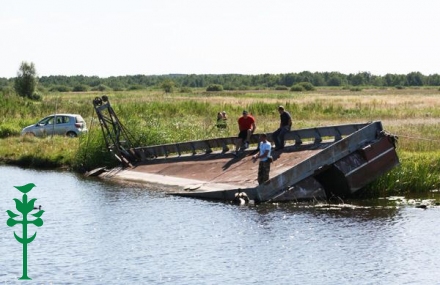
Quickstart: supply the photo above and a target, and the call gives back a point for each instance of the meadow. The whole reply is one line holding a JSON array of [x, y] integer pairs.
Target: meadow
[[155, 117]]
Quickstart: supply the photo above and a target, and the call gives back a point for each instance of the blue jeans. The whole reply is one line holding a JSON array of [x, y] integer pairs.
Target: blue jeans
[[278, 137]]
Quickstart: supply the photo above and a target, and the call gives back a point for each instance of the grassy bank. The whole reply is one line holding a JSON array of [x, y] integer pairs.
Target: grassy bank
[[154, 117]]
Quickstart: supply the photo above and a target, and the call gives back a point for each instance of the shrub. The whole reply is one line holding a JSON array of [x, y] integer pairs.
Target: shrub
[[185, 90], [214, 87], [307, 86], [36, 96], [6, 90], [297, 88], [80, 88], [168, 86], [399, 87], [7, 130], [100, 87], [281, 87], [356, 89], [302, 86], [41, 89], [136, 87]]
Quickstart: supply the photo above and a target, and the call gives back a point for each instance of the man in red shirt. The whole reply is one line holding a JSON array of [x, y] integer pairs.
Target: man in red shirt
[[247, 126]]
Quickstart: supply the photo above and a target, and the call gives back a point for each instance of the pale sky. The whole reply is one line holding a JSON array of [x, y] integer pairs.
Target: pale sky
[[153, 37]]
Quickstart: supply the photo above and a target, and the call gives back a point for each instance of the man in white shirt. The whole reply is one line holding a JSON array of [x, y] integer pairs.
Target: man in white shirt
[[265, 159]]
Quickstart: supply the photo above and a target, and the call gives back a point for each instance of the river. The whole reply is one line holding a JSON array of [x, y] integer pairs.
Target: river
[[96, 232]]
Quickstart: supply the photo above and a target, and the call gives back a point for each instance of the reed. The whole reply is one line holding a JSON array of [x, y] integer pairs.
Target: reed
[[50, 152], [154, 117], [419, 172]]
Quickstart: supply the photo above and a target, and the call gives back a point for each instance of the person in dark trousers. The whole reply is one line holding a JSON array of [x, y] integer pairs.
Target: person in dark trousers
[[285, 125], [265, 159]]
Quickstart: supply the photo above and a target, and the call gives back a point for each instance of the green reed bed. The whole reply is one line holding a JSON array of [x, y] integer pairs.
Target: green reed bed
[[50, 152], [419, 172]]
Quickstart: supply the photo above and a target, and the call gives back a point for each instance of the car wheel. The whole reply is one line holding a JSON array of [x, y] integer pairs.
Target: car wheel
[[71, 134]]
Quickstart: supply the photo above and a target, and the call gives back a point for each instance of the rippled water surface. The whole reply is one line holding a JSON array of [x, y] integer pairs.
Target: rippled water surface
[[100, 233]]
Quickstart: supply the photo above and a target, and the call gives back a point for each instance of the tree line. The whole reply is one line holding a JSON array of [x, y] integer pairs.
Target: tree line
[[80, 83], [240, 81]]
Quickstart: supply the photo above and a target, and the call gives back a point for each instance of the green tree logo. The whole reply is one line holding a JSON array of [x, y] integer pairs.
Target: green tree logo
[[25, 207]]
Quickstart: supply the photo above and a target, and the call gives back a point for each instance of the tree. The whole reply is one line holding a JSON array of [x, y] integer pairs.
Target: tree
[[26, 80], [334, 81], [361, 78], [414, 79], [167, 85]]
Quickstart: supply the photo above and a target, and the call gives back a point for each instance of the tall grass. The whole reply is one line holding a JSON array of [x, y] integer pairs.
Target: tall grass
[[50, 152], [154, 118]]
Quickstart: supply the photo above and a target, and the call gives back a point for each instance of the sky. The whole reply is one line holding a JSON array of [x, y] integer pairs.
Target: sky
[[156, 37]]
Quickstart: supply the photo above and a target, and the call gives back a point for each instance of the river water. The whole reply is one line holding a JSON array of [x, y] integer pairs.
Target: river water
[[96, 232]]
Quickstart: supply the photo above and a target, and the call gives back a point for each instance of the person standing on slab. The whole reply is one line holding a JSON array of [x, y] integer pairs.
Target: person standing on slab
[[265, 159]]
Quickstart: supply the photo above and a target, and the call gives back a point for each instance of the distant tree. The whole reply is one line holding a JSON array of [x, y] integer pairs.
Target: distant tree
[[233, 81], [167, 85], [414, 79], [3, 82], [270, 80], [288, 79], [433, 80], [334, 81], [394, 80], [377, 80], [26, 80], [389, 79], [305, 76], [361, 78], [318, 79]]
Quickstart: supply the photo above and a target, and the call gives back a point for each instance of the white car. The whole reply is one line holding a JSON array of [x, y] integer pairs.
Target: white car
[[70, 125]]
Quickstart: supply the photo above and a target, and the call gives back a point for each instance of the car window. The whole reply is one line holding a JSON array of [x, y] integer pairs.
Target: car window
[[46, 121], [62, 119]]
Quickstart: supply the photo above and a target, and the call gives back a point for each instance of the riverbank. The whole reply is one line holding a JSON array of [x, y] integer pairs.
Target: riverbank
[[155, 118], [41, 153]]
